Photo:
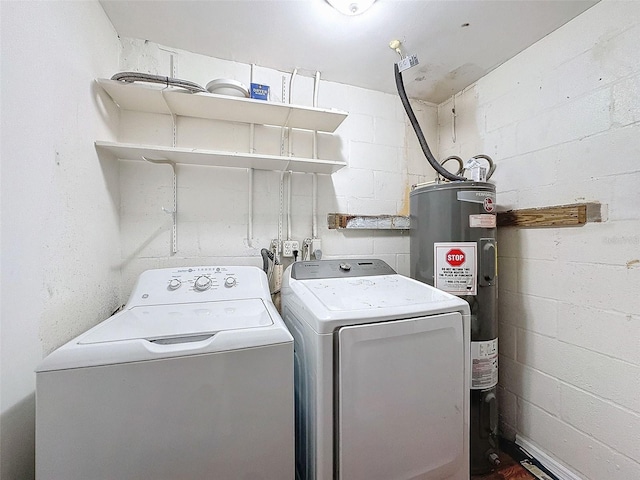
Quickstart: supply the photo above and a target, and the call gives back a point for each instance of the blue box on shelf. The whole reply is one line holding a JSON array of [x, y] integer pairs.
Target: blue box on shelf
[[259, 92]]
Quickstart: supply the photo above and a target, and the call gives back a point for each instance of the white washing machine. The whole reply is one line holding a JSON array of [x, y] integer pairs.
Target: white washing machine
[[382, 373], [193, 379]]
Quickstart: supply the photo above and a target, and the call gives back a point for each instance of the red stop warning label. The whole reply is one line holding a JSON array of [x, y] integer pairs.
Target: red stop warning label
[[455, 257], [456, 267]]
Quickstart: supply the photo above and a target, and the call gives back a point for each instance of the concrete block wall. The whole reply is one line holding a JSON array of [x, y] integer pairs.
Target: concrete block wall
[[60, 203], [562, 122], [375, 140]]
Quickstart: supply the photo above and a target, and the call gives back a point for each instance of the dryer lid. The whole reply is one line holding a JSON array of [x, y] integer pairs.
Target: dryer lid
[[157, 322], [372, 293], [328, 304]]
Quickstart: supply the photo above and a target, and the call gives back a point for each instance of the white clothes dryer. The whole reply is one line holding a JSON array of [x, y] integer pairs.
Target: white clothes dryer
[[193, 379], [382, 373]]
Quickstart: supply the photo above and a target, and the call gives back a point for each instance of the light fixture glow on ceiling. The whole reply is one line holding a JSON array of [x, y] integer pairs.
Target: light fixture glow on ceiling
[[351, 7]]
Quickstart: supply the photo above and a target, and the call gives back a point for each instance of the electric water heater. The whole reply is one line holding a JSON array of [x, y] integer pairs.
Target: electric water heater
[[453, 247]]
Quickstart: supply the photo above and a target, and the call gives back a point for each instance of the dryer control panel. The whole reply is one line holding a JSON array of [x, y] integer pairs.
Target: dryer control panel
[[340, 269], [198, 284]]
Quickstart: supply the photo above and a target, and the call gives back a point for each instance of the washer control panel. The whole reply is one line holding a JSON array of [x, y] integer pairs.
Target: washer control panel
[[310, 270], [198, 284]]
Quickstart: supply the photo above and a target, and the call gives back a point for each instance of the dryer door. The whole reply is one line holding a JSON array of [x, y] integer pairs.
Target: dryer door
[[400, 391]]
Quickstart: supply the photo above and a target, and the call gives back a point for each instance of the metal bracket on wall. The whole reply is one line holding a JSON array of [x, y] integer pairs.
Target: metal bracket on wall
[[174, 211]]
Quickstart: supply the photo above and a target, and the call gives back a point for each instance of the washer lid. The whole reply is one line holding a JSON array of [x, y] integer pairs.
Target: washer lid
[[156, 322], [156, 332]]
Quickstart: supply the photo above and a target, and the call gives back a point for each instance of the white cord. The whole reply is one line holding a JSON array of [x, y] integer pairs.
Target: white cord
[[289, 205], [453, 119], [314, 189]]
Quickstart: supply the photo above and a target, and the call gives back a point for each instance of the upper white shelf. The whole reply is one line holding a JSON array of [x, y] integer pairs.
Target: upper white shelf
[[194, 156], [158, 99]]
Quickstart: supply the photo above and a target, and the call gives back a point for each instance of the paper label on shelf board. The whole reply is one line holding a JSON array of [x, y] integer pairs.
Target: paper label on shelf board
[[483, 220], [456, 267], [259, 91], [484, 364]]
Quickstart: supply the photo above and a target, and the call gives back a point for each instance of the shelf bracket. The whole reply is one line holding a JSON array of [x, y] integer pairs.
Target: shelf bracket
[[173, 212], [173, 115]]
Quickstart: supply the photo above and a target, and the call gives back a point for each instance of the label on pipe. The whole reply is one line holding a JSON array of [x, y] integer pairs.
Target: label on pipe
[[484, 364], [407, 62], [456, 270]]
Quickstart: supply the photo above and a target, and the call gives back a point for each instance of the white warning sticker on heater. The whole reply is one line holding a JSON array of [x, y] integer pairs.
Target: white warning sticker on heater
[[484, 364], [456, 267], [483, 220]]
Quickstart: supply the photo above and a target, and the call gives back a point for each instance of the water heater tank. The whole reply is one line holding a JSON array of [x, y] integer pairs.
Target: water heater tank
[[453, 247]]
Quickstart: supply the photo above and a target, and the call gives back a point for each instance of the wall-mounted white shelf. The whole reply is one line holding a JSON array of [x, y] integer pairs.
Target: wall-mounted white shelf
[[195, 156], [157, 99]]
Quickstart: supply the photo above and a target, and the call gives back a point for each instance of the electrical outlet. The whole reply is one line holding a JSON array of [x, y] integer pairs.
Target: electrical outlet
[[288, 246]]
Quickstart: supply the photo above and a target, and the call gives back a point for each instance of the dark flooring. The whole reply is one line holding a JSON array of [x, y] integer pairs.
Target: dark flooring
[[510, 467]]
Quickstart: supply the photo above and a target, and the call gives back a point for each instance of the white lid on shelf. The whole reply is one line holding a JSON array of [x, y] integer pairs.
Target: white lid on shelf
[[226, 86]]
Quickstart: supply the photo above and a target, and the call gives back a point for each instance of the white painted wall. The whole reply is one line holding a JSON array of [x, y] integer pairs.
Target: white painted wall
[[383, 161], [73, 223], [60, 240], [562, 121]]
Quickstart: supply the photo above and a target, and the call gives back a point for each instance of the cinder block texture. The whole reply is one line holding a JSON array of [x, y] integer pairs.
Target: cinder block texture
[[213, 203], [562, 122]]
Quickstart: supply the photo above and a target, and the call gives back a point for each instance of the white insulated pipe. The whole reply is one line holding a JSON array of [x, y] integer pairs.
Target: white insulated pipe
[[314, 189], [290, 151], [289, 204], [314, 206]]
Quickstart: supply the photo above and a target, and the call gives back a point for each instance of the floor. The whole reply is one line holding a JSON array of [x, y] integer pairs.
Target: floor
[[510, 467]]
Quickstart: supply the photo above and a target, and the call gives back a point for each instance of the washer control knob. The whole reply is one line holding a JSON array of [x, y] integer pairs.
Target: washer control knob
[[345, 267], [230, 282], [202, 283], [174, 284]]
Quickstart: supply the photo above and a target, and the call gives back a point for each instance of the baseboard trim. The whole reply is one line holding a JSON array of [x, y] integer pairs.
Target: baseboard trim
[[553, 465]]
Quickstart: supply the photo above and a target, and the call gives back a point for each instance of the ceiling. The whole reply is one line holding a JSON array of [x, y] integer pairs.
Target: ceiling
[[456, 41]]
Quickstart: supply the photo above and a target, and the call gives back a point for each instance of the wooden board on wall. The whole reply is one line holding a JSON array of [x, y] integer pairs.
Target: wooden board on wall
[[366, 222], [557, 216], [574, 215]]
